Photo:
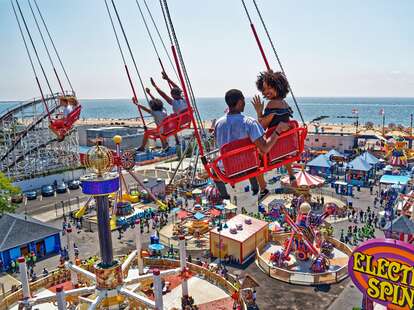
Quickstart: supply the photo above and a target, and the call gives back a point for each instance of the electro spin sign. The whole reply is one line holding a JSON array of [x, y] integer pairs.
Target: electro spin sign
[[383, 270]]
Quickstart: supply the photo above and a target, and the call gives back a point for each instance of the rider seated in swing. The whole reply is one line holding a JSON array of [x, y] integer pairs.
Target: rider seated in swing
[[235, 126], [176, 100], [274, 87], [69, 103], [159, 113]]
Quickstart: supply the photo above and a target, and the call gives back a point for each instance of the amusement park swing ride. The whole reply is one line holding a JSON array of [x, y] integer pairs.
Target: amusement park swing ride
[[38, 134]]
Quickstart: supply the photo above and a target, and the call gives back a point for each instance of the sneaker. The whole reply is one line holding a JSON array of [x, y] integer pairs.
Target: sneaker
[[263, 195], [255, 192]]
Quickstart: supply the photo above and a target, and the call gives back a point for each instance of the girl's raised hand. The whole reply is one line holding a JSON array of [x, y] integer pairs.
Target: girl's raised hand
[[258, 105]]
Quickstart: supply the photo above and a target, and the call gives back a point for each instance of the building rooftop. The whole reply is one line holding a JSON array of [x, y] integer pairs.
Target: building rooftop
[[247, 231], [18, 229]]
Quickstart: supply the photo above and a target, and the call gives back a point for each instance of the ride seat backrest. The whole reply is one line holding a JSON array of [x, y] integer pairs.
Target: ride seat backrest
[[74, 115], [284, 146], [241, 162], [185, 119], [169, 125]]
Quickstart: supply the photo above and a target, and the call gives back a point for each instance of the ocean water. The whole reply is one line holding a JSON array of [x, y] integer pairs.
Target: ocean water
[[397, 110]]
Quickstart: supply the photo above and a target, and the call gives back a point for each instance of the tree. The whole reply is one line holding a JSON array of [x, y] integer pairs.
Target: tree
[[392, 126], [369, 125], [7, 190]]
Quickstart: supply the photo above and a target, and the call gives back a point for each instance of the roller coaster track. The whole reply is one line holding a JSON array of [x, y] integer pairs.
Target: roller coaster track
[[18, 159], [22, 135], [28, 148], [7, 114]]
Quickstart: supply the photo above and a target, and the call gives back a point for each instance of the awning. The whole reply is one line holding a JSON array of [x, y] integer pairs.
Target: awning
[[302, 178], [215, 212], [230, 207], [199, 216], [182, 214], [156, 247], [219, 207], [394, 179]]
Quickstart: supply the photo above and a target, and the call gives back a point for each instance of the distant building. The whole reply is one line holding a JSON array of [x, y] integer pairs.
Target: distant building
[[131, 137], [155, 185], [329, 141], [20, 235]]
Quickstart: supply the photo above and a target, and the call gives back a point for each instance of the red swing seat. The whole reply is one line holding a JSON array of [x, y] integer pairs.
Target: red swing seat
[[62, 126], [171, 125], [240, 160]]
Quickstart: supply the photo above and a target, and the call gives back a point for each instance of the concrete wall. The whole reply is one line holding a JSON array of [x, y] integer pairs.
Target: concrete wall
[[36, 183], [329, 141]]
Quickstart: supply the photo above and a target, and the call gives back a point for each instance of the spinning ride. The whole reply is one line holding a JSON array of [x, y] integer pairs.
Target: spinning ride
[[397, 152]]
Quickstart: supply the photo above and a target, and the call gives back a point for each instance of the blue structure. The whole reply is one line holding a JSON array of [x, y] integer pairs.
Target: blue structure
[[21, 235], [320, 165], [370, 159], [334, 153], [398, 182], [359, 172], [343, 188]]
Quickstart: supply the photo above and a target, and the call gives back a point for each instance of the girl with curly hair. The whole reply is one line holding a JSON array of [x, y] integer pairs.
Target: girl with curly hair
[[274, 87]]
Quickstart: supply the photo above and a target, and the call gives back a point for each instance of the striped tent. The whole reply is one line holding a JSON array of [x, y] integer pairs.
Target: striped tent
[[398, 161], [304, 179], [212, 193]]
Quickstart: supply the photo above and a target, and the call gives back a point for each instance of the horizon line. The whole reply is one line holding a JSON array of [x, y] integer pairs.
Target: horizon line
[[215, 97]]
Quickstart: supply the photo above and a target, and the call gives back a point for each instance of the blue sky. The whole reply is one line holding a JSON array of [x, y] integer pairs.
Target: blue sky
[[328, 48]]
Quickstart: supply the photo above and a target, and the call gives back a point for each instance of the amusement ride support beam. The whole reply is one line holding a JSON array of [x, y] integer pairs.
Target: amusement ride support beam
[[159, 304], [128, 261], [80, 270], [139, 298], [163, 273], [138, 245], [60, 298], [183, 264], [24, 278], [97, 301]]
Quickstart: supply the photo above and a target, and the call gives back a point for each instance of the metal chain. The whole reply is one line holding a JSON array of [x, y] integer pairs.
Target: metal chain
[[54, 47], [277, 57], [46, 48], [130, 51], [34, 47], [187, 80], [161, 40]]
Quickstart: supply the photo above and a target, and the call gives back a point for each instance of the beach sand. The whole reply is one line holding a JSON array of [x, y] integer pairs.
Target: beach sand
[[312, 128]]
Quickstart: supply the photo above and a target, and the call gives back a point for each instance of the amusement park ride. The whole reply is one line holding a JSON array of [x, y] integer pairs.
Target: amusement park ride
[[109, 286], [240, 158], [306, 241], [397, 152], [35, 135]]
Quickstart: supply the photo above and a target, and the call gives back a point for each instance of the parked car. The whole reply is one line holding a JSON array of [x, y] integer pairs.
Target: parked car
[[61, 188], [31, 195], [74, 184], [17, 198], [47, 191]]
